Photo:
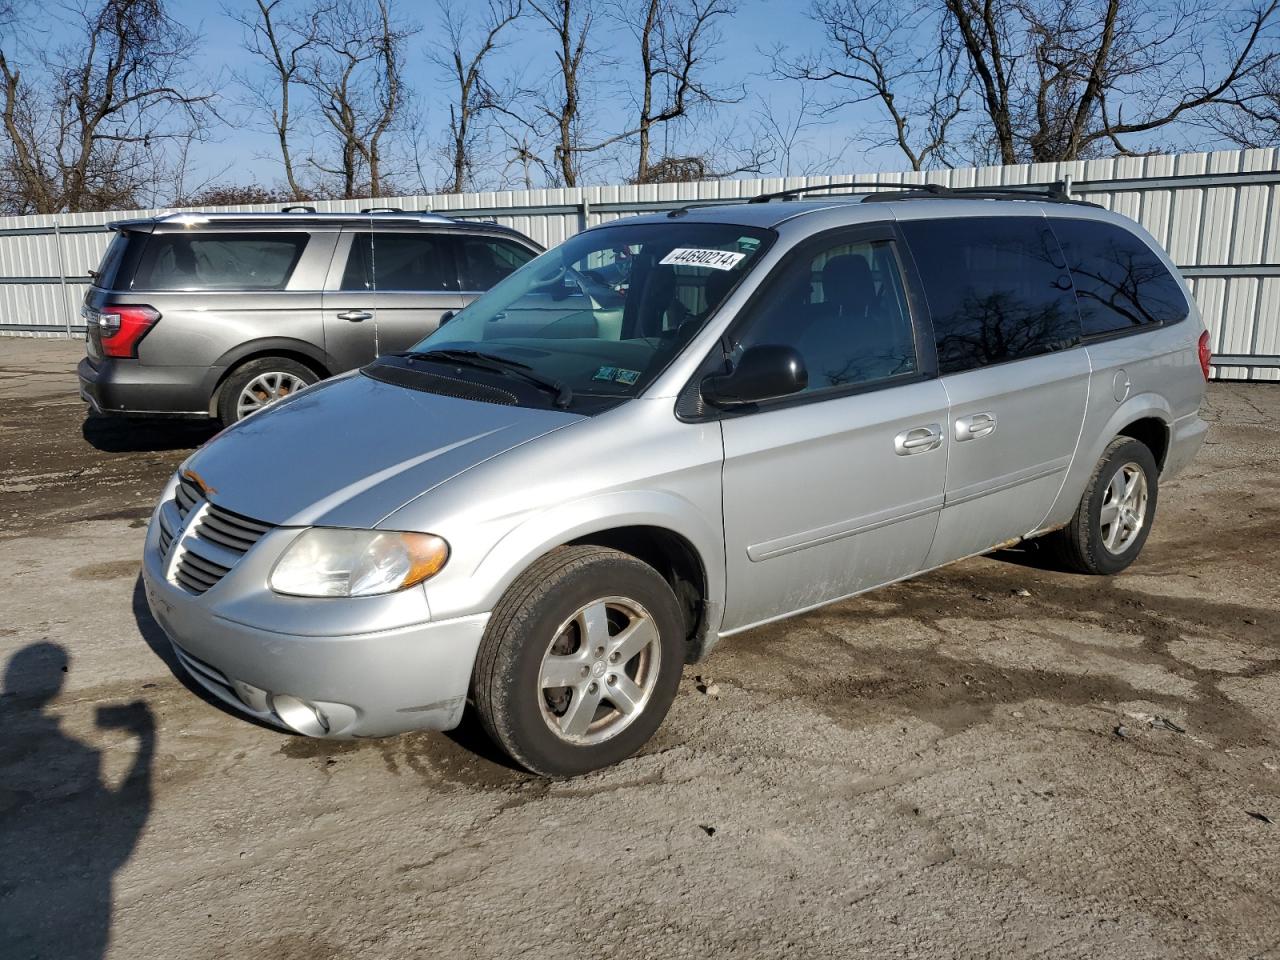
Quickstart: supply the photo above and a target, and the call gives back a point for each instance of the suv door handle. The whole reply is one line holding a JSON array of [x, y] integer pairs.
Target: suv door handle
[[355, 316], [979, 425], [918, 440]]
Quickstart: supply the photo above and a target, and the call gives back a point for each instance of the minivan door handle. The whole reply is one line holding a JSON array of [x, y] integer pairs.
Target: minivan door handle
[[978, 425], [918, 440], [355, 316]]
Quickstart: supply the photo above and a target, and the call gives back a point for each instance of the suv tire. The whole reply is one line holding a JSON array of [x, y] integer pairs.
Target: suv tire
[[267, 379], [1114, 517], [611, 628]]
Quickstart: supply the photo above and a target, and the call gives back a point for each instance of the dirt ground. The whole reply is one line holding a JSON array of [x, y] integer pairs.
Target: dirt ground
[[994, 760]]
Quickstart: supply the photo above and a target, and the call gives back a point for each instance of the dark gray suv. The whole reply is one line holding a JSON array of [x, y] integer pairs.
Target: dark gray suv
[[219, 315]]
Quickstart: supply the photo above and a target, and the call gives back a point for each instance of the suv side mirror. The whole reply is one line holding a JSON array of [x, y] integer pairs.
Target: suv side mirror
[[447, 316], [764, 372]]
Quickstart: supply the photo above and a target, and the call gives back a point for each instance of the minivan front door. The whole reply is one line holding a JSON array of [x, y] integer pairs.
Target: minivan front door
[[1008, 339], [836, 489]]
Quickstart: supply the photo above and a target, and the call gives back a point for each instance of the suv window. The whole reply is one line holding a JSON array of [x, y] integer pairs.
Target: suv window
[[1120, 282], [483, 261], [843, 307], [997, 287], [400, 261], [219, 261]]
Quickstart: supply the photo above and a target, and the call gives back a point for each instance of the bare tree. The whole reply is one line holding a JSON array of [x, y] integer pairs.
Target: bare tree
[[1040, 80], [1252, 118], [87, 125], [1059, 79], [354, 70], [282, 43], [899, 55], [785, 136], [677, 41], [469, 43], [570, 22]]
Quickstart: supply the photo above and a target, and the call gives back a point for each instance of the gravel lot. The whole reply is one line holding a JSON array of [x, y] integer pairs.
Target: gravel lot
[[994, 760]]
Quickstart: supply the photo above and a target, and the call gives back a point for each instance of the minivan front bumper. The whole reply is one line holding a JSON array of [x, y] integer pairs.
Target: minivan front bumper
[[129, 387], [349, 685]]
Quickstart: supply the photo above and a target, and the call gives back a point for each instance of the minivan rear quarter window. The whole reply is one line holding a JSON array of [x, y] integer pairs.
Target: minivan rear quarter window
[[1121, 285], [997, 289], [219, 261]]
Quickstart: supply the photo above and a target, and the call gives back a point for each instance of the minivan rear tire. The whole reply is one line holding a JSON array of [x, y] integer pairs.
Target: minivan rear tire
[[528, 718], [229, 407], [1081, 546]]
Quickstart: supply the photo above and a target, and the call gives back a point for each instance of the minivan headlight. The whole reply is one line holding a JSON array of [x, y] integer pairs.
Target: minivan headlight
[[326, 562]]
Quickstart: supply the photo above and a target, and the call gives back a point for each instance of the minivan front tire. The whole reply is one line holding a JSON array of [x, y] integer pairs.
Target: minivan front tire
[[258, 384], [1114, 517], [580, 661]]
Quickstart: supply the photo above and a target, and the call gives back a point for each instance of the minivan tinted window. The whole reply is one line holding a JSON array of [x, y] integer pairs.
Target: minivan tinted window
[[1120, 282], [843, 307], [997, 289], [218, 261]]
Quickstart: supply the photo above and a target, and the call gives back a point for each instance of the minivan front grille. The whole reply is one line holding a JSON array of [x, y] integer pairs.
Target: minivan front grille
[[213, 546]]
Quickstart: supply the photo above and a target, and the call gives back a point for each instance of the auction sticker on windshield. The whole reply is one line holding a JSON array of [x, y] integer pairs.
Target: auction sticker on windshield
[[692, 257]]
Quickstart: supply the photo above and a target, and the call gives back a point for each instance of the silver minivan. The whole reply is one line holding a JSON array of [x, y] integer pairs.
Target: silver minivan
[[668, 430]]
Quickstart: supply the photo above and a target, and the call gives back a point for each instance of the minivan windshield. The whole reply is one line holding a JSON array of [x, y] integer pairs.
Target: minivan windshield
[[606, 311]]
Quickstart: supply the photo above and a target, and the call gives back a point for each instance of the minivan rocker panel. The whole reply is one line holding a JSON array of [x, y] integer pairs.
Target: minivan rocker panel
[[553, 502]]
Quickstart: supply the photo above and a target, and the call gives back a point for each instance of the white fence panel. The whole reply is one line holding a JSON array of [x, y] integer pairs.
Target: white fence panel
[[1216, 213]]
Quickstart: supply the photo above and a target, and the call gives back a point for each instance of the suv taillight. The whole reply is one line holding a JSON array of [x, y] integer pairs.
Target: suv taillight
[[1206, 354], [121, 328]]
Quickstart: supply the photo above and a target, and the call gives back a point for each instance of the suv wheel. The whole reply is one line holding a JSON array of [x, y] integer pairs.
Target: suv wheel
[[580, 661], [260, 383], [1114, 516]]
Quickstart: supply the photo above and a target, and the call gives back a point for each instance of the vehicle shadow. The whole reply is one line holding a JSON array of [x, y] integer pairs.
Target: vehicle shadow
[[145, 435], [64, 832], [1029, 553]]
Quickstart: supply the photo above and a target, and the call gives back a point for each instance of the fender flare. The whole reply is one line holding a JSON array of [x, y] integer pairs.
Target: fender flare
[[221, 368], [1142, 406], [545, 530]]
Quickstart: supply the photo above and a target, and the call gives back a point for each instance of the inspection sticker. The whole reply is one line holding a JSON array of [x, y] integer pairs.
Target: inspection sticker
[[692, 257]]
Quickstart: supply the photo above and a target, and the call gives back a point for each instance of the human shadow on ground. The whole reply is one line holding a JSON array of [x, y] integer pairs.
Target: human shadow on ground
[[64, 831]]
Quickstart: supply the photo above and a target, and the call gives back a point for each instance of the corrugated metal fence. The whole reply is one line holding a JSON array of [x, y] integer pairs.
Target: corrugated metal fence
[[1216, 214]]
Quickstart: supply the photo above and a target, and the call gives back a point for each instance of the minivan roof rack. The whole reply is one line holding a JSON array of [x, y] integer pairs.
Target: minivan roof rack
[[298, 208], [1056, 192]]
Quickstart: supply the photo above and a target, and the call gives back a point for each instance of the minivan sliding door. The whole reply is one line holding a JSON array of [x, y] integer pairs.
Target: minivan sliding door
[[1008, 339]]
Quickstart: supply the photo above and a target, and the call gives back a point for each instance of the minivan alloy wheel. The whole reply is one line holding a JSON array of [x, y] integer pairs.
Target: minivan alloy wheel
[[1124, 508], [599, 670], [264, 390]]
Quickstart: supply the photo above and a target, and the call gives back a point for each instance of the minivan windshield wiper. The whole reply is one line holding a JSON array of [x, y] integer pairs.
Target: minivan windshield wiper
[[496, 364]]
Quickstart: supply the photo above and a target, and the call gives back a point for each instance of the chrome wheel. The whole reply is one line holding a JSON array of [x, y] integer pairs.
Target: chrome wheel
[[1124, 508], [264, 390], [599, 670]]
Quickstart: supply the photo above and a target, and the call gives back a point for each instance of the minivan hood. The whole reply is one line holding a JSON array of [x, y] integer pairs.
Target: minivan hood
[[350, 451]]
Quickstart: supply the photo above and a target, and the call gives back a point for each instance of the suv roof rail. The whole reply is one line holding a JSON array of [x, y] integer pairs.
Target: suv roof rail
[[381, 210], [298, 208]]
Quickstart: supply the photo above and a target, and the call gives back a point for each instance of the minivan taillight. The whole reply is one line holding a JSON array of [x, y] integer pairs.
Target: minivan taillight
[[122, 327], [1206, 354]]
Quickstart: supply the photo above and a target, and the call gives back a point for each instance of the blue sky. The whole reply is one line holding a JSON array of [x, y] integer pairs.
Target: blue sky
[[761, 25], [240, 153]]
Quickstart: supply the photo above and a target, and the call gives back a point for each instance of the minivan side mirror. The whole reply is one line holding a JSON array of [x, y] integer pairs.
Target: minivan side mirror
[[764, 372]]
